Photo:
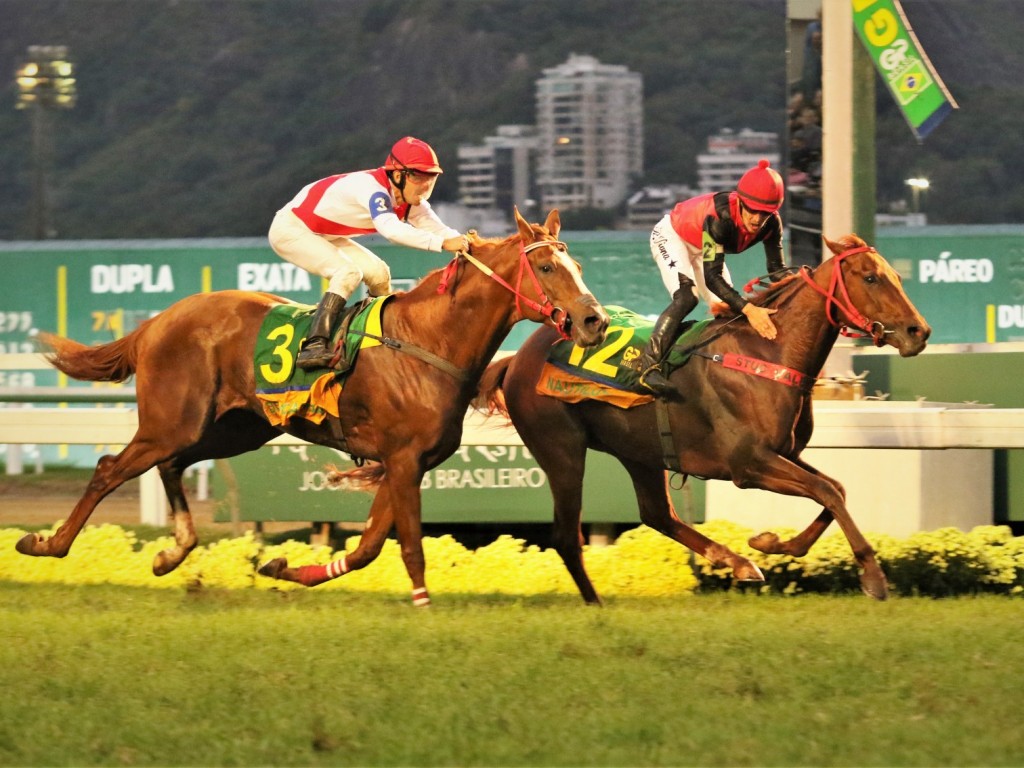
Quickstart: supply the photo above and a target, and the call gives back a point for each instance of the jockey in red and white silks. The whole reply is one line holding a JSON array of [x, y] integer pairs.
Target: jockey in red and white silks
[[316, 231]]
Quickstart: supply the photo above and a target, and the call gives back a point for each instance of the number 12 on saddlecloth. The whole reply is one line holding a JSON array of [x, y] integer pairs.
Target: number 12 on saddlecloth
[[597, 362]]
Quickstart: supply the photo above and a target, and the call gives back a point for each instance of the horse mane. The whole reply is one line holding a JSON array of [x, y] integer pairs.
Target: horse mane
[[767, 297], [775, 291], [475, 241]]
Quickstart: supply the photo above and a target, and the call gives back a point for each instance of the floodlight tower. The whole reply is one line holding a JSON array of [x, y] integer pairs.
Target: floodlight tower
[[46, 82]]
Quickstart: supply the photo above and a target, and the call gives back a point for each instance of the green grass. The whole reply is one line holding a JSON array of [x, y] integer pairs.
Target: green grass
[[122, 676]]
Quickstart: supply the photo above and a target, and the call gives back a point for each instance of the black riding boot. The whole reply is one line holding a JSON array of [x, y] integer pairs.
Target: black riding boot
[[315, 351], [662, 337]]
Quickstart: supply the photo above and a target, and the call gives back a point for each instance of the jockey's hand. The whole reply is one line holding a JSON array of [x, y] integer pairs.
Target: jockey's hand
[[456, 244], [760, 319]]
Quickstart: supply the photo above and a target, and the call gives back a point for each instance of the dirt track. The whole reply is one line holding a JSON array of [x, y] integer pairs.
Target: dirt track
[[43, 500], [29, 500], [18, 510]]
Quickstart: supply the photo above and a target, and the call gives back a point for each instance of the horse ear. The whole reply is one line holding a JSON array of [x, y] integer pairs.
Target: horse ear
[[844, 243], [836, 248], [525, 230], [554, 223]]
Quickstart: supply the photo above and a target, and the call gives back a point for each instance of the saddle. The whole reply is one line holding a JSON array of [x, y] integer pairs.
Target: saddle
[[288, 392], [344, 358], [611, 372]]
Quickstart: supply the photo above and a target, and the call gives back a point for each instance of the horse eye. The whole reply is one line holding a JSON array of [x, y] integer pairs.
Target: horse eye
[[871, 279], [547, 269]]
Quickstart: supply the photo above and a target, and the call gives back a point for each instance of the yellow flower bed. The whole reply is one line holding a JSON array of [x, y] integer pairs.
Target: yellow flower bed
[[109, 554], [641, 563]]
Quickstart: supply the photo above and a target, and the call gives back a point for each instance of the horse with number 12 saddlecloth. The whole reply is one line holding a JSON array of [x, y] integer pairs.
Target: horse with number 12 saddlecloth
[[744, 412], [402, 404]]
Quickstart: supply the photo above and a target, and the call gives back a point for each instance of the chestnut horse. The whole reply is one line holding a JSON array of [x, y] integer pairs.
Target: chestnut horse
[[193, 365], [727, 424]]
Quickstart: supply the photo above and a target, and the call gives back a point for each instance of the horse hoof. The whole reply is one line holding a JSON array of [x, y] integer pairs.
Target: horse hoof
[[766, 542], [875, 588], [748, 572], [29, 544], [163, 564], [274, 568]]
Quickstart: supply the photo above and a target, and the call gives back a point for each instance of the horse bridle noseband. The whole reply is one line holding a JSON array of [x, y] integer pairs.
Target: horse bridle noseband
[[837, 297], [544, 307]]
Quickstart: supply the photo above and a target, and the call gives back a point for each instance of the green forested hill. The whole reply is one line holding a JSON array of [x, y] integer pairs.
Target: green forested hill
[[202, 117]]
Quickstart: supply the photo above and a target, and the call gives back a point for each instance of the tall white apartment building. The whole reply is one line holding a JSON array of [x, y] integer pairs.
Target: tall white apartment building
[[499, 173], [589, 132], [730, 154]]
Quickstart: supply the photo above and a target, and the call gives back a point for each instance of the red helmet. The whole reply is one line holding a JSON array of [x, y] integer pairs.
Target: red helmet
[[761, 188], [412, 154]]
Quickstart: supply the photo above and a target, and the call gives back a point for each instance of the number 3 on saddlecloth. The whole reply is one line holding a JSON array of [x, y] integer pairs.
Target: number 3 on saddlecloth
[[283, 353]]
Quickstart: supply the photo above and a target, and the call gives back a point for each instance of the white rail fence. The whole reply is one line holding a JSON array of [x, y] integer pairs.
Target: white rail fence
[[842, 428]]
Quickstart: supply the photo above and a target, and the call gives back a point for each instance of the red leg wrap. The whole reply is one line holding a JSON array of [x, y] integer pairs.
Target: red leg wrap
[[311, 575]]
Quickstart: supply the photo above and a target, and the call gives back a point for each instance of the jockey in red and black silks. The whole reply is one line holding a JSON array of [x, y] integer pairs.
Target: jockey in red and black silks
[[713, 223], [689, 246]]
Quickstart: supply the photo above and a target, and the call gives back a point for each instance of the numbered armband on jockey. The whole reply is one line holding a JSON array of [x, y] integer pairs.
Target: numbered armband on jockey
[[710, 248], [380, 203]]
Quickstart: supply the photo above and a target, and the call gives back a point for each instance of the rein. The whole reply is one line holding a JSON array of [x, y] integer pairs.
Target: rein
[[837, 285], [545, 307], [837, 298]]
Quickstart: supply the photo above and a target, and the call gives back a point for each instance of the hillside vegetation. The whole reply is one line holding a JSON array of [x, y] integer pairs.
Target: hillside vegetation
[[200, 118]]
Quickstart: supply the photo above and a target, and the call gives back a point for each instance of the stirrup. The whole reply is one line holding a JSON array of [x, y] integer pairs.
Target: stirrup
[[314, 354], [656, 381]]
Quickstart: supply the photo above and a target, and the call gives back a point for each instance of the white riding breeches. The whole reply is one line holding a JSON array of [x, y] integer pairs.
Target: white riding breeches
[[342, 261], [674, 256]]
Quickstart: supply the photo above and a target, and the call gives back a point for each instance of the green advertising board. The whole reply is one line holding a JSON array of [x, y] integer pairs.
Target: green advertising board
[[478, 484], [967, 281]]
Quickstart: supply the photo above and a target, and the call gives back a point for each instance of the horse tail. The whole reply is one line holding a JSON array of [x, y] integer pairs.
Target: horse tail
[[107, 362], [361, 478], [489, 396]]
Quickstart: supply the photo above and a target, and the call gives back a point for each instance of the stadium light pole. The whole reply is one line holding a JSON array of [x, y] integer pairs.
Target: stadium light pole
[[46, 82], [917, 186]]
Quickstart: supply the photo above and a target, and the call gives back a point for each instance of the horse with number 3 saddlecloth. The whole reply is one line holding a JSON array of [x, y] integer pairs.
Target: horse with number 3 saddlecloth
[[403, 404], [743, 413]]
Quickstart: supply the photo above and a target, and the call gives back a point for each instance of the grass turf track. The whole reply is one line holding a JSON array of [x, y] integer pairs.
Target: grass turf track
[[123, 676]]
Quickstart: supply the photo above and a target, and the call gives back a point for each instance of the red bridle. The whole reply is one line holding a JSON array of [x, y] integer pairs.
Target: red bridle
[[545, 307], [837, 297]]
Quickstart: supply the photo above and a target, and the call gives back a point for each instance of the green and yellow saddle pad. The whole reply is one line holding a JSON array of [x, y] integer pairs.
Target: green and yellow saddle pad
[[288, 392], [610, 371]]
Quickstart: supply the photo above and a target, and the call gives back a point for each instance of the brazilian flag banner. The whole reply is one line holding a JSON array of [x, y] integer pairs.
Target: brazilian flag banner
[[902, 63]]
